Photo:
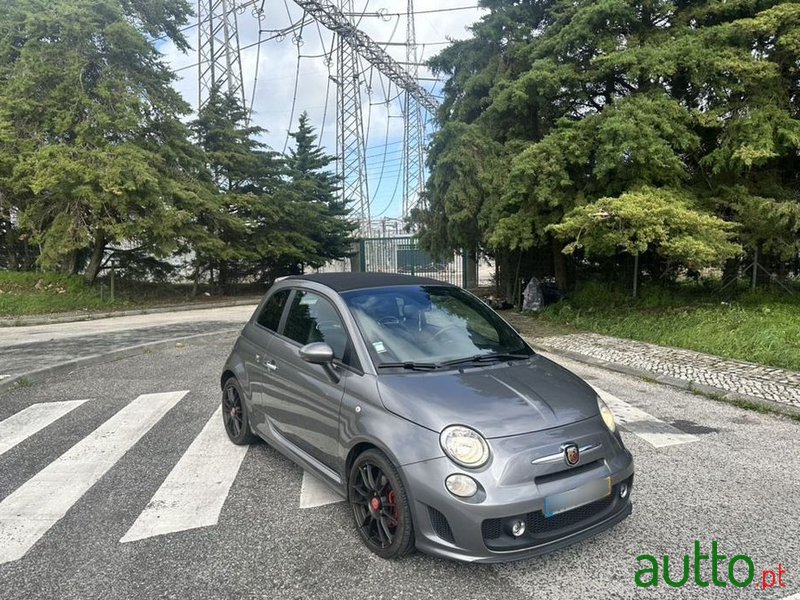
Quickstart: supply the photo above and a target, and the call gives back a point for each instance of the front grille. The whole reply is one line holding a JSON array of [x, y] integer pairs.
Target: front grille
[[440, 525], [538, 524], [541, 530]]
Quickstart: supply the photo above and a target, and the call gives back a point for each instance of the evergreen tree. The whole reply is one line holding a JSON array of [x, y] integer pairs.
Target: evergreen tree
[[91, 124], [245, 178], [317, 210], [558, 110]]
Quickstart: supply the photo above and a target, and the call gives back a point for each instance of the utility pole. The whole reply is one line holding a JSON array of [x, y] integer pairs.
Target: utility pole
[[413, 141], [352, 160], [219, 61]]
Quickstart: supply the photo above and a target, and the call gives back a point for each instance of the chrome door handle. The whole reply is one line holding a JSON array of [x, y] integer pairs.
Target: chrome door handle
[[270, 364]]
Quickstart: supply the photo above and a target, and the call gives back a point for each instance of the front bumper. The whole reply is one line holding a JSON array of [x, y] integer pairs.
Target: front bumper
[[478, 529]]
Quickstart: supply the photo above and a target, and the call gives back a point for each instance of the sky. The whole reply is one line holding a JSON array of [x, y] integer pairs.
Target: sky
[[269, 78]]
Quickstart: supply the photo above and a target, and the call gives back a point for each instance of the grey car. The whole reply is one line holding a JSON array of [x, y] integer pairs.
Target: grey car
[[443, 429]]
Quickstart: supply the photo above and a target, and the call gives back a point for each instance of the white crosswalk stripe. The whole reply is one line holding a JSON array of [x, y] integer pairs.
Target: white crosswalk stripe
[[196, 489], [314, 493], [194, 492], [30, 511], [655, 432], [19, 427]]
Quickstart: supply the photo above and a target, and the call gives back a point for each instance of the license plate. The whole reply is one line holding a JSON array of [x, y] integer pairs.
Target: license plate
[[585, 494]]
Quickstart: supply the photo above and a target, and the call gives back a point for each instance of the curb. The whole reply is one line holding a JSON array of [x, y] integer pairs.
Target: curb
[[70, 318], [715, 393], [97, 359]]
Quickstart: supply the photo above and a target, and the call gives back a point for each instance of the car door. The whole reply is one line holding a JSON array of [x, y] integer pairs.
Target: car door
[[257, 337], [304, 401]]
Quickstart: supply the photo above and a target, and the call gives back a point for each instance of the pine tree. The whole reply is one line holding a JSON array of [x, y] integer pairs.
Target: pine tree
[[556, 109], [317, 208], [92, 122]]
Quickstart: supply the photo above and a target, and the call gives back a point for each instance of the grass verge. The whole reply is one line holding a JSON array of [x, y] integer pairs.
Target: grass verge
[[23, 294], [761, 327]]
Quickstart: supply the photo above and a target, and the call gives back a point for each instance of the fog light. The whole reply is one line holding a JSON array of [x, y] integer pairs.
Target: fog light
[[517, 528], [623, 490], [461, 485]]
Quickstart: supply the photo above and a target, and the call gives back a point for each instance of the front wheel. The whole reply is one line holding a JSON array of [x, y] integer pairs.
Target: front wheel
[[234, 414], [380, 505]]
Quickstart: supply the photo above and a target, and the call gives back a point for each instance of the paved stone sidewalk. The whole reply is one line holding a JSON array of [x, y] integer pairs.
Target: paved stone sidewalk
[[704, 371]]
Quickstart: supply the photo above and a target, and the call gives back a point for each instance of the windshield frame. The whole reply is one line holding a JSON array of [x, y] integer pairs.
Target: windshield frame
[[471, 300]]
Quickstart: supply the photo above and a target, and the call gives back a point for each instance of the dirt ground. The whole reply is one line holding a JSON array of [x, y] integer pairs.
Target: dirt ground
[[534, 326]]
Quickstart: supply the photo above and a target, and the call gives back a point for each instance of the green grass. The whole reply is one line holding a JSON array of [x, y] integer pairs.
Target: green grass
[[24, 294], [761, 327], [39, 293]]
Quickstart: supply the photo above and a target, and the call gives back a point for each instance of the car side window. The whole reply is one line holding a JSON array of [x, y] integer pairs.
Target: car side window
[[313, 318], [270, 315]]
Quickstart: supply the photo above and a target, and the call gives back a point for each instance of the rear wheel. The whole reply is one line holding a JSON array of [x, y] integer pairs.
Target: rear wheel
[[234, 414], [380, 505]]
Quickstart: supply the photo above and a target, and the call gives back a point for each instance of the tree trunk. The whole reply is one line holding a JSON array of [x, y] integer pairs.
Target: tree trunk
[[195, 280], [560, 266], [97, 258]]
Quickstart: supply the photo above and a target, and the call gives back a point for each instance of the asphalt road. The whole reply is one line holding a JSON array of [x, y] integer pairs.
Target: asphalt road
[[736, 482], [25, 348]]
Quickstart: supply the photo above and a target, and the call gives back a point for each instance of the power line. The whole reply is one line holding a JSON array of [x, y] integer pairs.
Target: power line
[[260, 16], [443, 43], [394, 195], [299, 38], [282, 34], [332, 18], [383, 163], [383, 13]]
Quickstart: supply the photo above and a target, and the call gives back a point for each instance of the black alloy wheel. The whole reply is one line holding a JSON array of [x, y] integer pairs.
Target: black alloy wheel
[[380, 506], [234, 414]]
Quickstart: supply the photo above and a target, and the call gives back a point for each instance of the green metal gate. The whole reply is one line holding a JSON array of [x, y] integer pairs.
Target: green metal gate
[[403, 255]]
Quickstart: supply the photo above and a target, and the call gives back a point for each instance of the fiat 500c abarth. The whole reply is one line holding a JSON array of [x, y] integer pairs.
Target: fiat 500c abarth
[[443, 429]]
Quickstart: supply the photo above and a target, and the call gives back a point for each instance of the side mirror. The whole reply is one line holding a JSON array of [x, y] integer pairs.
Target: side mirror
[[318, 353]]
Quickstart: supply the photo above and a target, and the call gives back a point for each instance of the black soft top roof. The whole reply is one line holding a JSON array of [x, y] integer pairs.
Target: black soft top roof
[[342, 282]]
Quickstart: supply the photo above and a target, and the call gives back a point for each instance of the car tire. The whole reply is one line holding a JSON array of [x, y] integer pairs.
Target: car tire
[[380, 505], [235, 416]]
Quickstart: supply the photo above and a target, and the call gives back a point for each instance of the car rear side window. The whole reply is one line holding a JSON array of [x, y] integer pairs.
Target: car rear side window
[[313, 318], [270, 315]]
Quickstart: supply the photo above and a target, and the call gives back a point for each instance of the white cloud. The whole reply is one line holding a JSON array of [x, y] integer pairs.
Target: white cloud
[[277, 64]]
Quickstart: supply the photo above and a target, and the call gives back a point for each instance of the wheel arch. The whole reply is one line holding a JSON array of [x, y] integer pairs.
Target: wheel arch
[[360, 446], [226, 374]]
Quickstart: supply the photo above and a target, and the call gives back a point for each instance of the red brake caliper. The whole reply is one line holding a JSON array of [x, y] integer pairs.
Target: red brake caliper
[[392, 498]]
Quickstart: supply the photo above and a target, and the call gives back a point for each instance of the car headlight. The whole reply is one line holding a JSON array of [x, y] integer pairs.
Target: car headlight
[[465, 446], [608, 416]]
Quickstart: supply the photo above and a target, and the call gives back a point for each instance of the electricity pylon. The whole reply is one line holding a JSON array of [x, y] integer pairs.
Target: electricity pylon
[[413, 138], [352, 43], [352, 161], [218, 58], [220, 67]]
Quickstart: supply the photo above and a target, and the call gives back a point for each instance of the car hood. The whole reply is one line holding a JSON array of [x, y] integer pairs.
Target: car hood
[[498, 400]]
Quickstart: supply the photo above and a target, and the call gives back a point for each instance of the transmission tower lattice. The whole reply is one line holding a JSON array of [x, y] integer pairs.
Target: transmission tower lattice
[[219, 61], [413, 138], [350, 127]]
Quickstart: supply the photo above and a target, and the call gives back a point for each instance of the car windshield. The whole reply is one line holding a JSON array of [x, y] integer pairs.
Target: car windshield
[[427, 326]]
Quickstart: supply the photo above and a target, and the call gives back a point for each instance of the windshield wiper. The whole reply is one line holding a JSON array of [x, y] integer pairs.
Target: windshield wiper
[[413, 366], [479, 358]]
